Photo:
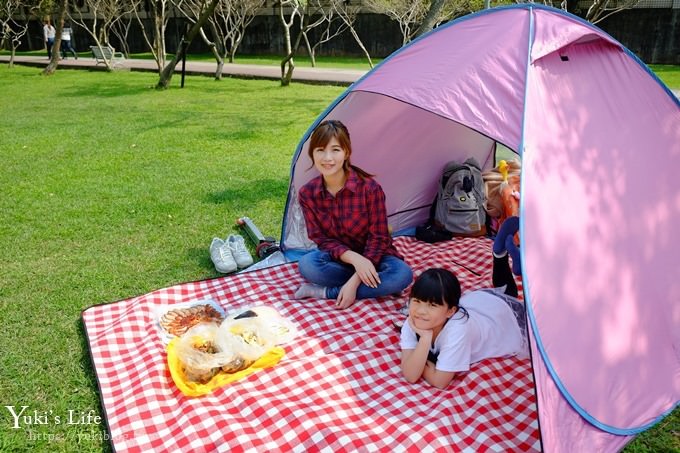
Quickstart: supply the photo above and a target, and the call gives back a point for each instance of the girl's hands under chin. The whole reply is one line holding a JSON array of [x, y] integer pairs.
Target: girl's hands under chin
[[423, 333]]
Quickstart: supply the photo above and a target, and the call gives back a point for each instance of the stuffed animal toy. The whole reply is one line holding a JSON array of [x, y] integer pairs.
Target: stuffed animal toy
[[502, 191]]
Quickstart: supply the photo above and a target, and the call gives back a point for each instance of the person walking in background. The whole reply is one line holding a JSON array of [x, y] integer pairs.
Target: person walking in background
[[66, 41], [49, 33]]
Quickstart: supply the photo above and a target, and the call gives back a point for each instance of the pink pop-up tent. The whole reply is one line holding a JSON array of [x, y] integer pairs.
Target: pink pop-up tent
[[599, 139]]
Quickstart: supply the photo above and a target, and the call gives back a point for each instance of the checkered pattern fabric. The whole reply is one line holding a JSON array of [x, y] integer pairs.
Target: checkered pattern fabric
[[339, 387]]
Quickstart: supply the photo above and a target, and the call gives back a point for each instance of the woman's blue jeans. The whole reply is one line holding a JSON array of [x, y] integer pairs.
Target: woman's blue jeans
[[318, 267]]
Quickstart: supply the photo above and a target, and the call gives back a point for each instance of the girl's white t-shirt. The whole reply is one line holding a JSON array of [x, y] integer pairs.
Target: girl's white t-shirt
[[491, 330]]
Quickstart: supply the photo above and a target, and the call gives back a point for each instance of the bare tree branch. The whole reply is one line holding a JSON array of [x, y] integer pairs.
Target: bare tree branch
[[601, 9], [156, 42], [12, 31], [169, 69], [104, 14], [348, 15]]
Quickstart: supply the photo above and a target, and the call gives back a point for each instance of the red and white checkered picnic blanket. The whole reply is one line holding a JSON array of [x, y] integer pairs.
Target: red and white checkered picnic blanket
[[338, 388]]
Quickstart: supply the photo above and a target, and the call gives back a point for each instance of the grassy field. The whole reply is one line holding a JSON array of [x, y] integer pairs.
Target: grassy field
[[112, 189], [669, 74]]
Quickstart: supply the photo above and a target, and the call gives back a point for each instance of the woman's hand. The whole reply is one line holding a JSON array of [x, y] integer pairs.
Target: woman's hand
[[364, 268], [366, 271], [348, 293]]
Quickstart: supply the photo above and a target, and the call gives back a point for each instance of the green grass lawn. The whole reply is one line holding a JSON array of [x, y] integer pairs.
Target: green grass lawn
[[669, 74], [112, 189]]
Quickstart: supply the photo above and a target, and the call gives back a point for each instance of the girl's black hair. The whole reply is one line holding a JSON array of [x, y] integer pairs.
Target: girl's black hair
[[438, 286]]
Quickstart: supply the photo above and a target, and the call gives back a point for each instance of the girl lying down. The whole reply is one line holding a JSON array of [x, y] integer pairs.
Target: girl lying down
[[445, 333]]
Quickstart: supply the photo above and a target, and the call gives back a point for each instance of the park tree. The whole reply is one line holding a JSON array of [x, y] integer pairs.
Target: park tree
[[300, 12], [289, 11], [159, 11], [121, 28], [440, 11], [420, 16], [169, 69], [601, 9], [348, 14], [329, 23], [102, 15], [407, 13], [595, 10], [11, 30], [227, 26], [61, 9], [431, 16], [230, 21]]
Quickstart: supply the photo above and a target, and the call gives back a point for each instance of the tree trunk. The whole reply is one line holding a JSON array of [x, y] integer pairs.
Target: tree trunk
[[287, 67], [215, 51], [219, 70], [288, 59], [361, 44], [234, 47], [56, 51], [431, 17], [310, 50], [159, 36], [285, 80], [169, 70]]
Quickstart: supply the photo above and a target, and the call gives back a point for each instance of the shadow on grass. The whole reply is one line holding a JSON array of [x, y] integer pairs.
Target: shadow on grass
[[107, 86], [202, 257], [252, 193]]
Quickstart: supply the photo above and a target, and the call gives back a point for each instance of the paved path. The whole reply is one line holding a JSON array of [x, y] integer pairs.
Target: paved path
[[247, 71], [250, 71]]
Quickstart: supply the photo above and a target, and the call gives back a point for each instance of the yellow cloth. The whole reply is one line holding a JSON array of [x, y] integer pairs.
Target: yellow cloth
[[189, 388]]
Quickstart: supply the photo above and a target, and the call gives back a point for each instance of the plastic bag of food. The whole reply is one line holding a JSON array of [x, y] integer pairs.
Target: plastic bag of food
[[191, 388], [200, 357], [209, 355], [262, 325]]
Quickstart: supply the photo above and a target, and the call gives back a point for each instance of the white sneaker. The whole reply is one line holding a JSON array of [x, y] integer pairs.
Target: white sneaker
[[221, 256], [237, 245]]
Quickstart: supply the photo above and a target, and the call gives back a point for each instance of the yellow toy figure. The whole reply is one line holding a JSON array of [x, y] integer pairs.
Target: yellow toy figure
[[509, 191], [502, 191]]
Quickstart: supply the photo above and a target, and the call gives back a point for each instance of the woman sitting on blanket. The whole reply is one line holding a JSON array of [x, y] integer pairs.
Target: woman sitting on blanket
[[444, 334], [345, 215]]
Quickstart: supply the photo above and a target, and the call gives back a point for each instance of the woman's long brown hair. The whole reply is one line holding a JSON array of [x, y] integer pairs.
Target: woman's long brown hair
[[323, 134]]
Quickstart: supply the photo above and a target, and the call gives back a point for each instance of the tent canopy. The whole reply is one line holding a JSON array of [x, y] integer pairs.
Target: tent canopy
[[599, 138]]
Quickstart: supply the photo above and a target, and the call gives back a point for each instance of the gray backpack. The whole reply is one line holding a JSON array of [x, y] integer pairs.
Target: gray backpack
[[459, 206]]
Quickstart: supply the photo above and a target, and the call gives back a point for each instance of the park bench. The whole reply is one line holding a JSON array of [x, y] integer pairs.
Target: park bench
[[106, 53]]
